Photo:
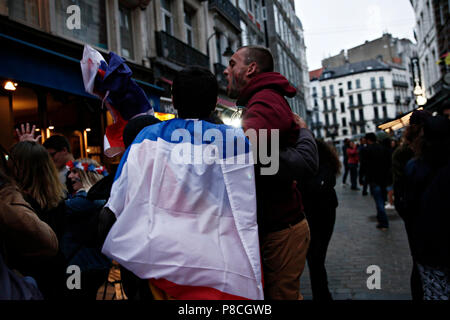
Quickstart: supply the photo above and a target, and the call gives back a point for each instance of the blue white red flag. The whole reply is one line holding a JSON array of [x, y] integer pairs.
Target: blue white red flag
[[185, 201]]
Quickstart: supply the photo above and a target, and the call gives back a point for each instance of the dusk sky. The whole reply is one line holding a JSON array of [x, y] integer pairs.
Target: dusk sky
[[333, 25]]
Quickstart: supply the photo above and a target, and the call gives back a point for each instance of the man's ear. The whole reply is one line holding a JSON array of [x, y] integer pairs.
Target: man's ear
[[252, 70]]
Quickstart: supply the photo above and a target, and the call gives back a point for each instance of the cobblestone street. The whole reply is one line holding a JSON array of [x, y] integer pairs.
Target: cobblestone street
[[356, 244]]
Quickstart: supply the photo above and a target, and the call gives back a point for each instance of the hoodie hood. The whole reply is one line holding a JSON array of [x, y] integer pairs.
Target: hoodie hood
[[266, 80]]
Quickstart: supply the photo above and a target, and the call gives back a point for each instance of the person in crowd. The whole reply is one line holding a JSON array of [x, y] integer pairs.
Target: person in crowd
[[320, 202], [377, 164], [362, 175], [94, 266], [59, 149], [22, 236], [428, 206], [281, 220], [134, 288], [400, 158], [36, 176], [345, 160], [189, 204], [352, 162], [391, 145], [445, 109]]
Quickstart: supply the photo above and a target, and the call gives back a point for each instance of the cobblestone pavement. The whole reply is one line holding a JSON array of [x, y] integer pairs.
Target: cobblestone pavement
[[356, 244]]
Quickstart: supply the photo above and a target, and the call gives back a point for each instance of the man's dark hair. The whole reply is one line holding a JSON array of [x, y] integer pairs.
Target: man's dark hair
[[57, 142], [135, 125], [194, 92], [261, 55], [371, 137]]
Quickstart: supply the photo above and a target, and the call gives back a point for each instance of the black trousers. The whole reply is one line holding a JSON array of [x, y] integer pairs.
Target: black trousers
[[321, 225]]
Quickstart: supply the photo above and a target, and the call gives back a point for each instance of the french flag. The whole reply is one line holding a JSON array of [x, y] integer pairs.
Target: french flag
[[188, 226]]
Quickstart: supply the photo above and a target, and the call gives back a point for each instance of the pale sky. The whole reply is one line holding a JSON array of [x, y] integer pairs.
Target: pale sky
[[333, 25]]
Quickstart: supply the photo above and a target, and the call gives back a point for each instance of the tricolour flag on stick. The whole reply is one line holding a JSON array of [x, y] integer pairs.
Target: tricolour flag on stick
[[185, 201]]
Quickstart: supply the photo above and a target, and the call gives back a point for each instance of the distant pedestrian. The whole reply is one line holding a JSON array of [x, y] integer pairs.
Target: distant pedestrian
[[377, 168], [362, 175], [345, 160], [352, 162], [320, 202]]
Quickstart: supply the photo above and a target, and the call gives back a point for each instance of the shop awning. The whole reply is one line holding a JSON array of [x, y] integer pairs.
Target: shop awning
[[22, 61], [400, 122]]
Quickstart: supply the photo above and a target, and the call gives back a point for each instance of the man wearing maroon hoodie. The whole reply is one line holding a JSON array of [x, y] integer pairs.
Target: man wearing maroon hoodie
[[283, 229]]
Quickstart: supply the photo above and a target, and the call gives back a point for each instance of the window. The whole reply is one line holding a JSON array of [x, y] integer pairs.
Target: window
[[361, 114], [372, 83], [385, 115], [358, 84], [381, 82], [93, 22], [344, 122], [250, 5], [327, 120], [324, 91], [341, 92], [334, 118], [188, 18], [342, 107], [331, 90], [166, 10], [374, 97], [349, 85], [375, 112], [126, 32], [25, 10], [360, 102], [242, 5], [351, 103], [333, 104], [325, 105], [383, 96], [352, 115]]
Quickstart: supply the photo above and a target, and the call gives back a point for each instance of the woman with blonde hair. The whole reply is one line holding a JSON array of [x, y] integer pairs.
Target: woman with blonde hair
[[37, 178], [80, 214], [36, 175]]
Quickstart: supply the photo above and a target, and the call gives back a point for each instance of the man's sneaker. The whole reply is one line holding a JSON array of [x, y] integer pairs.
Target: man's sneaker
[[389, 207], [381, 227]]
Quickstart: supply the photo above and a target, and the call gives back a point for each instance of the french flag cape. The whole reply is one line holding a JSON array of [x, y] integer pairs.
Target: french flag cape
[[188, 226]]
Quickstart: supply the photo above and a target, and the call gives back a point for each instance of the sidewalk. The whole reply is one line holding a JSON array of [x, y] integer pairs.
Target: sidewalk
[[357, 244]]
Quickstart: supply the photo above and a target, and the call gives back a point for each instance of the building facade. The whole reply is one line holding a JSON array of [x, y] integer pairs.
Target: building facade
[[352, 100], [432, 34]]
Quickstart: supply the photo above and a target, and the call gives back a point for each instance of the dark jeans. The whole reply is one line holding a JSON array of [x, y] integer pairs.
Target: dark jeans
[[321, 226], [353, 174], [344, 177], [379, 195]]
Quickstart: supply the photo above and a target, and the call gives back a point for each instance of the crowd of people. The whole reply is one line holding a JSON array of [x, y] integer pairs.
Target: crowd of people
[[57, 211]]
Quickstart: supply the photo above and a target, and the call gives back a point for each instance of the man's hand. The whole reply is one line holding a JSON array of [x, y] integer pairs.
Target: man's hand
[[298, 120], [25, 134]]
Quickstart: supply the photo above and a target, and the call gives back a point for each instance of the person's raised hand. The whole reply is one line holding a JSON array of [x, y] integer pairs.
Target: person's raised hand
[[25, 134]]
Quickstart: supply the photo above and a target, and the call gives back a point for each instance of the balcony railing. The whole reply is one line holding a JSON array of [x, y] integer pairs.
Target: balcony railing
[[401, 84], [227, 10], [218, 70], [177, 51]]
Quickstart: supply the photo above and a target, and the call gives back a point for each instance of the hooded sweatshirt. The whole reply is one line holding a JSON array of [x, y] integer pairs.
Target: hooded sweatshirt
[[279, 201]]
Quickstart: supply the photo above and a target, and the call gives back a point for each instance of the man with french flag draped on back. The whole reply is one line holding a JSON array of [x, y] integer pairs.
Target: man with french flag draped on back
[[185, 202]]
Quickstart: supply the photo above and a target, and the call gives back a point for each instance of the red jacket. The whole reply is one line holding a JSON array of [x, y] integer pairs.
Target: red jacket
[[353, 156], [279, 201]]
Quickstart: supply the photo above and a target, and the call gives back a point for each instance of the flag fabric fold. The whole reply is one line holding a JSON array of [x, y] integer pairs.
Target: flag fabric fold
[[189, 227]]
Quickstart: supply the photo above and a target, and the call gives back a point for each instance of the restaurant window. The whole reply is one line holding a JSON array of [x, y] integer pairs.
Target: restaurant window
[[126, 32], [166, 12], [93, 22]]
